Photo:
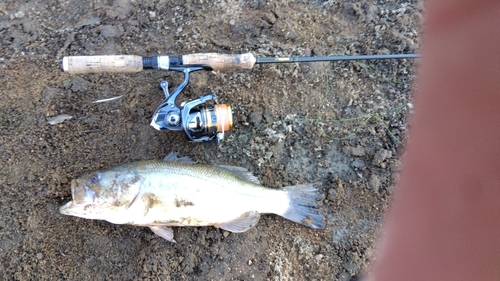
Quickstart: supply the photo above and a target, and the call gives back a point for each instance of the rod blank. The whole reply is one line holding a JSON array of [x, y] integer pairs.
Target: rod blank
[[336, 58]]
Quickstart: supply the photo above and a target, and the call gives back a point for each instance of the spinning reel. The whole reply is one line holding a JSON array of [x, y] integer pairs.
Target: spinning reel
[[202, 119]]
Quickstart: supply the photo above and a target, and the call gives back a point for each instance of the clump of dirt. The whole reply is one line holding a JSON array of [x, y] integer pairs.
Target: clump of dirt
[[341, 124]]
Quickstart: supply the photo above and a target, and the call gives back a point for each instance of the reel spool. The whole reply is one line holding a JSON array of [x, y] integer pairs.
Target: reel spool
[[208, 122]]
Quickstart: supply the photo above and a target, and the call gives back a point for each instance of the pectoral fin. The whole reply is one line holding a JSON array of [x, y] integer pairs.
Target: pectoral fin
[[242, 223], [163, 232]]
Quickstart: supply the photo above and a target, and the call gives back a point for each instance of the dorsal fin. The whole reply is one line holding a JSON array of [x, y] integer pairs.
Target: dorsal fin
[[172, 157], [240, 173]]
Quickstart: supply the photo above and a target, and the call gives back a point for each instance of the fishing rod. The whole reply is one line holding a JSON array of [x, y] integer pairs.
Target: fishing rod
[[201, 119]]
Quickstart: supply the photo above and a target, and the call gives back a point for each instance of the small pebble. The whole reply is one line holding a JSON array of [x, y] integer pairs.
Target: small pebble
[[232, 22], [39, 256], [344, 276], [255, 4], [19, 15], [225, 233], [59, 119]]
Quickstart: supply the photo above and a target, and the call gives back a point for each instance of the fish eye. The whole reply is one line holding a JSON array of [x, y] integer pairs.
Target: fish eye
[[94, 179]]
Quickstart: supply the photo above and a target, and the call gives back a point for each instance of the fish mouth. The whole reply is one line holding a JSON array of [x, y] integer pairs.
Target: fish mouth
[[82, 199], [65, 209], [73, 187]]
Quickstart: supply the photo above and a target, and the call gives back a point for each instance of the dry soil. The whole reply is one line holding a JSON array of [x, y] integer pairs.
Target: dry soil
[[342, 124]]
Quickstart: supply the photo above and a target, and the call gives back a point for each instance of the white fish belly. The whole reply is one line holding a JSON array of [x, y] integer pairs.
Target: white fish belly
[[174, 199]]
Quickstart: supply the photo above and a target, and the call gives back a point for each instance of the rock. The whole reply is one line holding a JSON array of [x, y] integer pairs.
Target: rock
[[78, 85], [374, 182], [358, 164], [371, 12], [255, 119], [123, 8], [358, 151], [255, 4], [269, 18], [110, 31], [349, 266], [331, 194], [380, 156], [318, 257]]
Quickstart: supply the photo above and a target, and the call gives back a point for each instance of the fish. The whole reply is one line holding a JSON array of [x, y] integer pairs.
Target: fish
[[176, 191]]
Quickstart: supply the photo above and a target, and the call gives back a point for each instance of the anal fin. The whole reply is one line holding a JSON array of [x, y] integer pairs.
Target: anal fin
[[164, 232], [242, 223]]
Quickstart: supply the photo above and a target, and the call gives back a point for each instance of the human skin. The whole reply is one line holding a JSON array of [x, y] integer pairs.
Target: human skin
[[444, 221]]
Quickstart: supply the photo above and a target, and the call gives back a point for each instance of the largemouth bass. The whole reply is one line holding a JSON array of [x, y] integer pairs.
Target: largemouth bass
[[177, 192]]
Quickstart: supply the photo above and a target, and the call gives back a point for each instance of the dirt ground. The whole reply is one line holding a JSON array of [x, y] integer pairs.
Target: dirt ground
[[342, 124]]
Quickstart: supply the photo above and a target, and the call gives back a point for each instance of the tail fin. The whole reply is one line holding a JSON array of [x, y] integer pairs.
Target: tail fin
[[303, 206]]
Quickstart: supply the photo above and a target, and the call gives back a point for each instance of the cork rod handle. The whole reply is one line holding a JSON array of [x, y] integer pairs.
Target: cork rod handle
[[99, 64], [220, 61]]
